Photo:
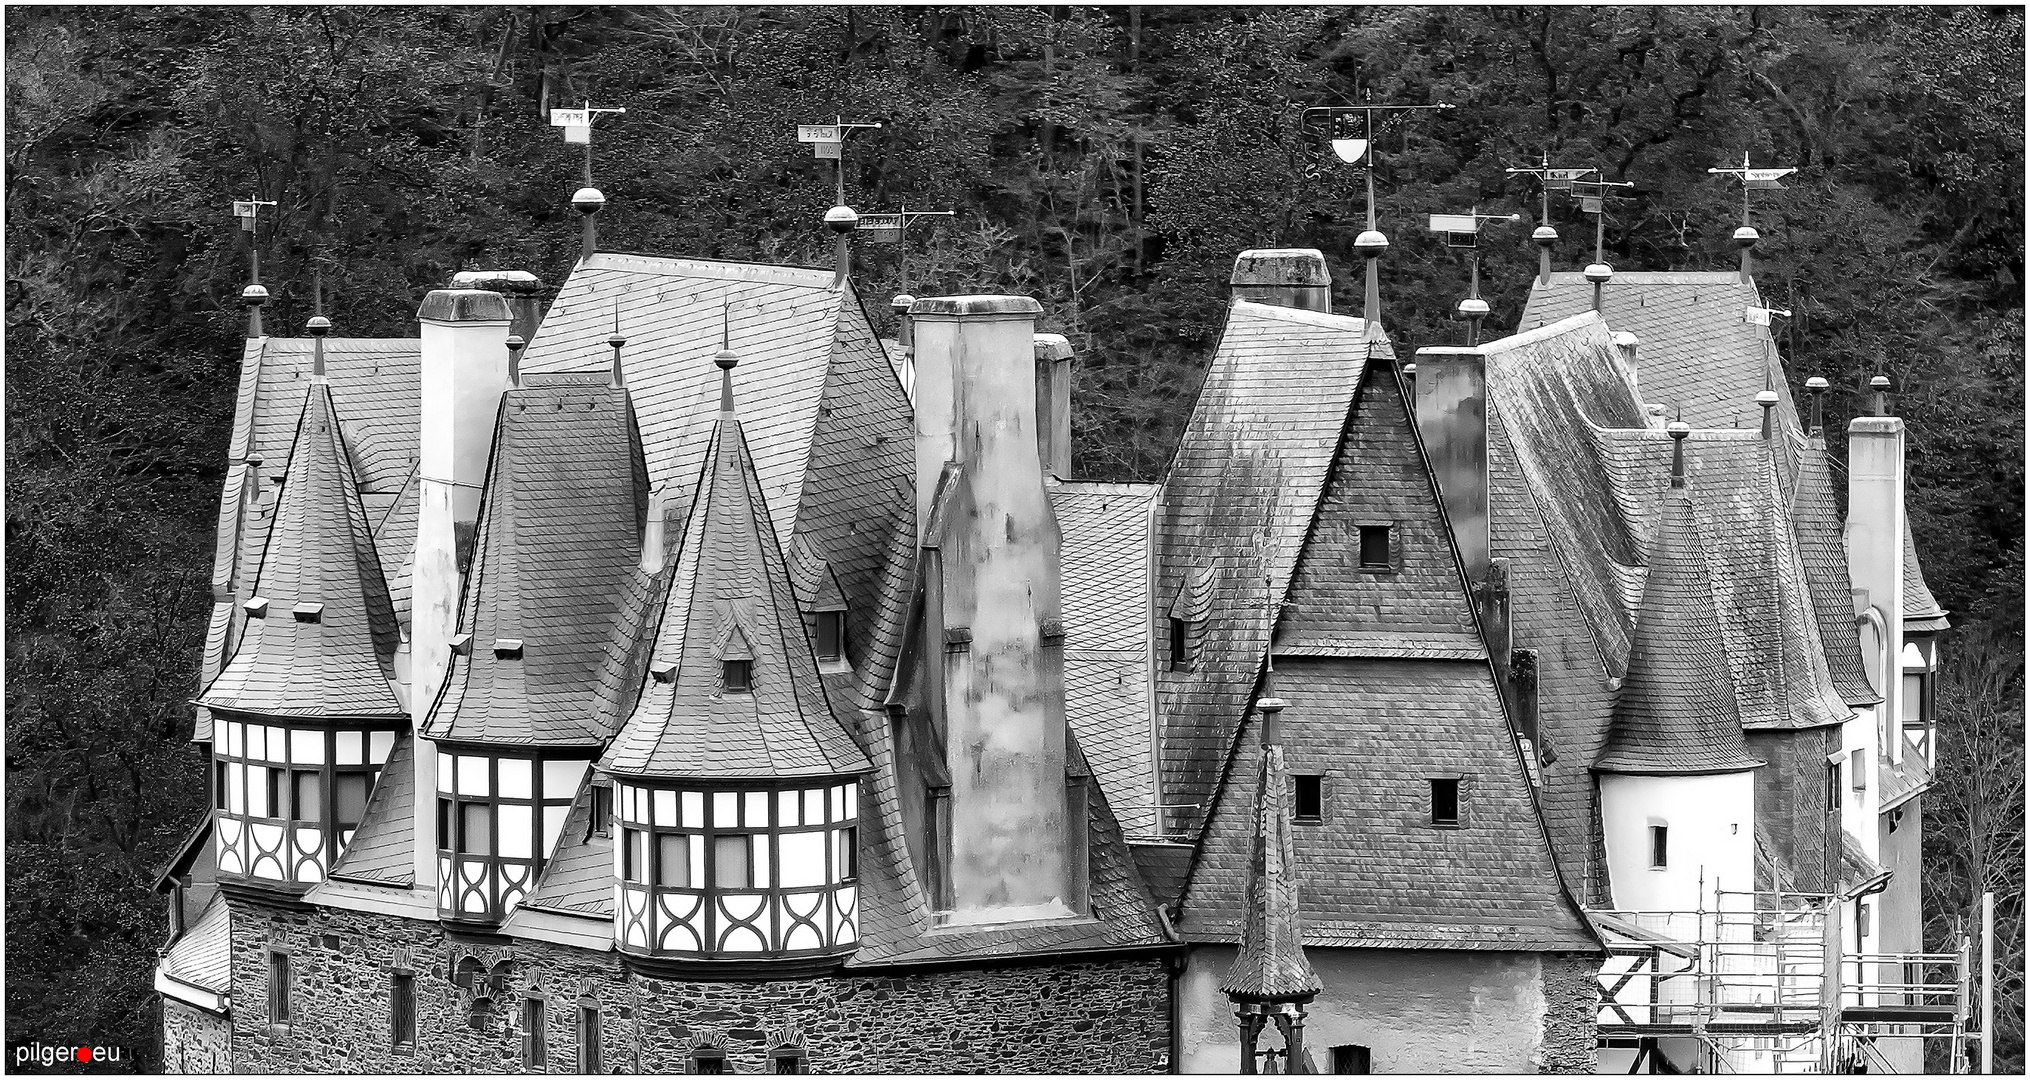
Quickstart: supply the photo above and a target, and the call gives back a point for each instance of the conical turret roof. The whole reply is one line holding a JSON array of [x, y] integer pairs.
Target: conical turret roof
[[1677, 713], [1271, 965], [732, 600], [323, 644]]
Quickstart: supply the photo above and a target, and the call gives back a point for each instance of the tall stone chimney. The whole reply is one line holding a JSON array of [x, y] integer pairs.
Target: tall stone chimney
[[1452, 420], [1874, 536], [992, 546], [1053, 404], [464, 361], [1286, 277]]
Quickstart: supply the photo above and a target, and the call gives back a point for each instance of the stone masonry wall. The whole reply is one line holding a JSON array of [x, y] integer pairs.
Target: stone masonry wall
[[194, 1041], [1571, 1014], [1108, 1016]]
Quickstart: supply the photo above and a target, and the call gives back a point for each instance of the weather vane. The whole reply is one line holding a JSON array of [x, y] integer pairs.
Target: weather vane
[[1354, 144], [1551, 179], [1463, 231], [1593, 196], [255, 294], [1751, 180], [828, 142], [577, 125]]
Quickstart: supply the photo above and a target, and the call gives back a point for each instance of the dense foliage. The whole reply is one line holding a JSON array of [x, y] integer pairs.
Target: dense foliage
[[1109, 162]]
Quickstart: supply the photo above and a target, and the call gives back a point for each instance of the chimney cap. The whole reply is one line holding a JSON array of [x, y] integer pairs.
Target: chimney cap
[[588, 200], [464, 306], [842, 219], [318, 326], [1815, 384], [1746, 236], [1545, 235], [515, 281], [1472, 307], [963, 306], [1370, 244], [1052, 347], [254, 295], [1599, 273], [1879, 382], [1280, 266], [901, 303]]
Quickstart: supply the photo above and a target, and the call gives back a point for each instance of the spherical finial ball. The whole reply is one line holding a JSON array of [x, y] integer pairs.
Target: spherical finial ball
[[901, 304], [1679, 430], [1472, 307], [1545, 236], [1370, 244], [254, 295], [1599, 273], [726, 359], [1409, 371], [616, 341], [1766, 399], [1815, 384], [1746, 237], [588, 200], [841, 219], [318, 326], [1879, 382], [516, 343]]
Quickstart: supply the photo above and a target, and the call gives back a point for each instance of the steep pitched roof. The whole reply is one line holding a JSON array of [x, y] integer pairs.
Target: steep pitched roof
[[1270, 965], [578, 879], [1815, 518], [1105, 598], [202, 957], [731, 598], [559, 535], [1921, 612], [379, 853], [1676, 714], [1242, 486], [335, 660]]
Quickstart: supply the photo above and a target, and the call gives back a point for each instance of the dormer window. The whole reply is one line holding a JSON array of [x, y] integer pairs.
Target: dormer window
[[1375, 550], [1188, 615], [831, 637], [736, 676]]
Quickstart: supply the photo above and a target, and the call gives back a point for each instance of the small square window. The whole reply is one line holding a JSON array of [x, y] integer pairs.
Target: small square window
[[1374, 548], [349, 798], [1445, 803], [733, 862], [1310, 798], [1659, 847], [673, 860], [787, 1061], [634, 855], [736, 676], [602, 810], [306, 795], [708, 1062], [1352, 1059], [831, 636]]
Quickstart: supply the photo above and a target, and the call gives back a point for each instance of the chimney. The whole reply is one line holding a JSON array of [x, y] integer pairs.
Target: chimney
[[522, 290], [996, 563], [1874, 542], [1053, 404], [464, 362], [1452, 421], [1285, 277]]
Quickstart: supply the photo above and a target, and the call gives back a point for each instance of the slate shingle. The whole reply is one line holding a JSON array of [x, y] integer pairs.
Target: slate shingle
[[379, 853]]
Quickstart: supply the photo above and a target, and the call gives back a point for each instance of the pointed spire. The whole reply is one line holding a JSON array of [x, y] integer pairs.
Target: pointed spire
[[726, 358], [842, 220], [515, 345], [617, 379], [1816, 387], [1679, 431], [1677, 714], [1271, 965], [1766, 397], [1745, 236], [255, 294], [318, 326]]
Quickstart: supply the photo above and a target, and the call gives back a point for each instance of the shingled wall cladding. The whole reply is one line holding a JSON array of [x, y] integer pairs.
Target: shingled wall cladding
[[1790, 802], [194, 1041], [1108, 1016]]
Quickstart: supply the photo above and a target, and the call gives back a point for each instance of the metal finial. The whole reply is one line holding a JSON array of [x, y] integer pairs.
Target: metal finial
[[726, 358], [515, 345], [618, 380], [1679, 432], [1816, 386]]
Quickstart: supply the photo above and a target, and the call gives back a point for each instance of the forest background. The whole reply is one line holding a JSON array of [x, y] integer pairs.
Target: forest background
[[1108, 161]]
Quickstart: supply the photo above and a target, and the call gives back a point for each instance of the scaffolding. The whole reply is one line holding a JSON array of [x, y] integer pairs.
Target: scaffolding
[[1760, 983]]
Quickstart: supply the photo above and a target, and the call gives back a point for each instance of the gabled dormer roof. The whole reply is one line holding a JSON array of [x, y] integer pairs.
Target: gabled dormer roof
[[559, 538], [323, 643], [732, 591], [1676, 714]]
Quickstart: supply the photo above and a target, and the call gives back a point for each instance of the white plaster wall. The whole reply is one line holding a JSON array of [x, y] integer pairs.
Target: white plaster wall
[[1417, 1011], [1712, 838], [1858, 809]]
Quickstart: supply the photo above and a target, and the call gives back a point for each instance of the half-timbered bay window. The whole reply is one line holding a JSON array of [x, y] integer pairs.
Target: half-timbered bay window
[[498, 819], [757, 873], [289, 798]]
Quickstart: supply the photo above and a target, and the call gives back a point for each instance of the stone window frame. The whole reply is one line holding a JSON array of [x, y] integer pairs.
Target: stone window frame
[[535, 1023], [233, 765], [399, 979], [503, 881], [591, 1052], [655, 919], [281, 1007]]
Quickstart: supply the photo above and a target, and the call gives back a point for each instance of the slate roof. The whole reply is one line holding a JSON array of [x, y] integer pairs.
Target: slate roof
[[559, 534], [380, 851], [1676, 714], [1899, 782], [1270, 964], [1921, 612], [202, 957], [578, 879], [341, 665], [731, 598], [1105, 603], [1234, 506], [1815, 518]]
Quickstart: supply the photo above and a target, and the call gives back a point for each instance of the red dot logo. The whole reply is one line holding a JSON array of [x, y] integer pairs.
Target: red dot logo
[[84, 1053]]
